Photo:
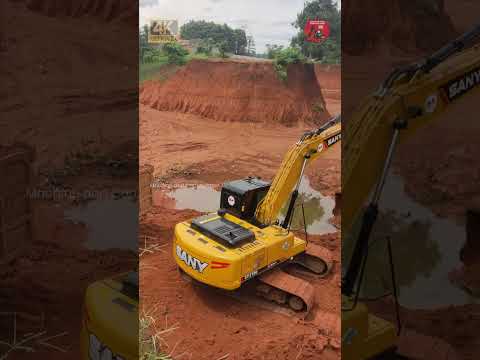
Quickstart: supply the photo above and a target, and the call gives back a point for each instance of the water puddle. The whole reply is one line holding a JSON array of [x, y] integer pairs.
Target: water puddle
[[318, 208], [318, 211], [425, 249], [200, 198], [111, 224]]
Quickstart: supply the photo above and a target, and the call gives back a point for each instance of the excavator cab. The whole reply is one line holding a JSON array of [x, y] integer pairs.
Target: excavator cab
[[241, 197]]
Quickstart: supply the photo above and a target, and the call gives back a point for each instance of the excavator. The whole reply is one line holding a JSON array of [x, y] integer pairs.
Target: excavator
[[410, 98], [245, 238]]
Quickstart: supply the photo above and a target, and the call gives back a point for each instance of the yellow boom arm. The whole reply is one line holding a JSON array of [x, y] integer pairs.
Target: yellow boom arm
[[413, 96], [309, 147]]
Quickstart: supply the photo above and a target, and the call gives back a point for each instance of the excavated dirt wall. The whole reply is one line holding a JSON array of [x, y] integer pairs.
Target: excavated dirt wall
[[240, 91], [407, 25]]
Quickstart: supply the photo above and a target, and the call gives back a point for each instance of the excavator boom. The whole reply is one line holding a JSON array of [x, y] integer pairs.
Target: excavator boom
[[409, 99], [415, 96], [309, 147]]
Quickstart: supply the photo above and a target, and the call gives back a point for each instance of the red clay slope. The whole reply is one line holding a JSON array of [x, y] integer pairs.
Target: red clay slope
[[240, 91]]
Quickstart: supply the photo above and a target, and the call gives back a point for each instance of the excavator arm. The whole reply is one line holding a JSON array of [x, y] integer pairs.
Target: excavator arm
[[309, 147], [409, 99]]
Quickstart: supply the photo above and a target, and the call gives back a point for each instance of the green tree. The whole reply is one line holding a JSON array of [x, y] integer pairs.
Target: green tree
[[176, 53], [206, 46], [240, 41], [235, 39], [285, 57], [273, 50], [329, 51], [251, 50], [143, 43], [222, 48]]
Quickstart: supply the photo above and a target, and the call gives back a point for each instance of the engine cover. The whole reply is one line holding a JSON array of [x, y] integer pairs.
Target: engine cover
[[222, 230]]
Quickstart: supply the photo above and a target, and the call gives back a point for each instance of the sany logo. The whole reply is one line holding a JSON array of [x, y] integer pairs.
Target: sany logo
[[334, 139], [191, 261]]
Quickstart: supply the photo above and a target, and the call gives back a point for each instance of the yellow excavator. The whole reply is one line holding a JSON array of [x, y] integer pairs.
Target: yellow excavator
[[245, 239], [409, 98], [110, 319]]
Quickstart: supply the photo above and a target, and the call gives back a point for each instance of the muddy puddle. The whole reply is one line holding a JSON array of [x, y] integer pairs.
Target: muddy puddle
[[318, 208], [110, 223], [425, 250], [200, 197]]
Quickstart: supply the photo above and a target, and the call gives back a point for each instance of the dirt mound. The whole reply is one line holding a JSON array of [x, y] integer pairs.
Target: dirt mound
[[408, 25], [123, 10], [244, 92]]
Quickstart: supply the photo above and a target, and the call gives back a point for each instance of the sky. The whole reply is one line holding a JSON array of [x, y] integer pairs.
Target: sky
[[268, 21]]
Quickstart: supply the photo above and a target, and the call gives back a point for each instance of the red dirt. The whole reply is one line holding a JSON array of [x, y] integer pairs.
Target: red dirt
[[48, 100], [210, 324], [195, 148], [235, 91], [189, 149], [409, 26], [329, 79], [44, 95]]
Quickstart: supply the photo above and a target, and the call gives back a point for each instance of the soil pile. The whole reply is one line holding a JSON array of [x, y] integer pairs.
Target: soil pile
[[240, 91], [123, 10], [414, 25]]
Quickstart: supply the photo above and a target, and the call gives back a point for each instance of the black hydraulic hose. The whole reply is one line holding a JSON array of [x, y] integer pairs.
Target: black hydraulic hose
[[361, 246], [288, 217], [394, 285]]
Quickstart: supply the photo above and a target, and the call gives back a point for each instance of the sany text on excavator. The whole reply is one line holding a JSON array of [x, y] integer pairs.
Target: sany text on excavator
[[410, 98], [244, 239]]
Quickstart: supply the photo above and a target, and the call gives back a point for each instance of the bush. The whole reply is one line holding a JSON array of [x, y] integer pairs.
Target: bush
[[206, 47], [176, 53], [285, 57]]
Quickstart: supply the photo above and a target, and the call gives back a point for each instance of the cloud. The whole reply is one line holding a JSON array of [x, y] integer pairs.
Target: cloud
[[144, 3]]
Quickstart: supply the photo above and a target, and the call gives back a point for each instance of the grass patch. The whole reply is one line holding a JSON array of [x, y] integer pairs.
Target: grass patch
[[151, 341], [152, 71], [161, 69]]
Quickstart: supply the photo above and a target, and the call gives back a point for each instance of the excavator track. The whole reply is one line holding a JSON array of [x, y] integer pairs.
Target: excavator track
[[285, 289], [317, 259]]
